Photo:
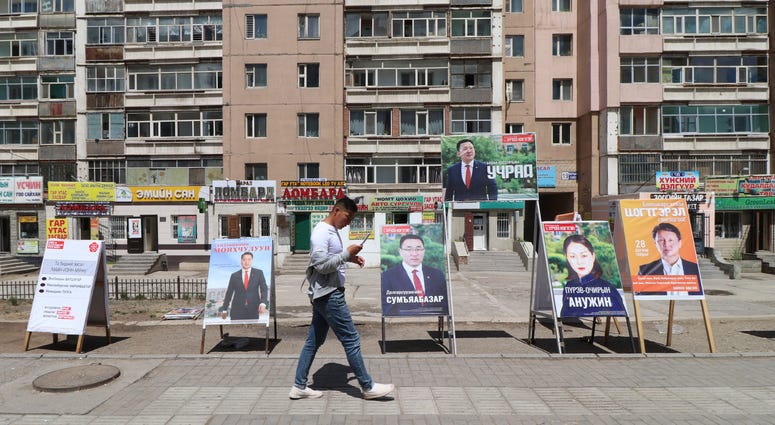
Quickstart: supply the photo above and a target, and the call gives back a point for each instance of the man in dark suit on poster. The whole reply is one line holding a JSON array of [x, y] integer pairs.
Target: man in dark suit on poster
[[411, 280], [667, 237], [467, 180], [247, 292]]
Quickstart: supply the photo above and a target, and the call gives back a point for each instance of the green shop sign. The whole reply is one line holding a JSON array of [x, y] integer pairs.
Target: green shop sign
[[746, 203]]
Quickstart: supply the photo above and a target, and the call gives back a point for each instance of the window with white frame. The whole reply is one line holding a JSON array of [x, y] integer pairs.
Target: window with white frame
[[256, 171], [18, 88], [57, 132], [309, 26], [57, 86], [515, 90], [256, 26], [309, 75], [515, 46], [419, 23], [515, 6], [59, 43], [370, 122], [176, 226], [562, 44], [504, 225], [308, 170], [17, 44], [561, 5], [561, 133], [471, 23], [470, 74], [57, 6], [639, 120], [179, 29], [18, 7], [308, 125], [562, 89], [422, 122], [255, 75], [105, 31], [107, 171], [471, 120], [255, 125], [638, 21], [642, 69], [19, 169], [393, 170], [202, 76], [715, 119], [397, 73], [105, 78], [19, 132], [746, 69], [362, 222], [365, 24], [105, 125], [163, 124], [714, 20], [514, 128]]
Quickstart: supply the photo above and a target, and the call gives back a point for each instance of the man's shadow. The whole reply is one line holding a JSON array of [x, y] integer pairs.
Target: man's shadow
[[334, 376]]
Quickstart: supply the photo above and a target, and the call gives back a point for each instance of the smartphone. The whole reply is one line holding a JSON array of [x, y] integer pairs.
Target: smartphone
[[365, 239]]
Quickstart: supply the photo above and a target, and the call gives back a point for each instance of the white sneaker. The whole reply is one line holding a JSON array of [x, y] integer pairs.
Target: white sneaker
[[378, 391], [307, 392]]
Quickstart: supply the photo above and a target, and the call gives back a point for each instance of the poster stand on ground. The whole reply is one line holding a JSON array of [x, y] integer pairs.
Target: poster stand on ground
[[71, 292], [658, 265], [413, 283], [234, 297]]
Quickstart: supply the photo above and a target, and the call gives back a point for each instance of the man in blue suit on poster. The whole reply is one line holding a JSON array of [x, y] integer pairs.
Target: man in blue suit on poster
[[412, 288], [247, 293], [467, 180]]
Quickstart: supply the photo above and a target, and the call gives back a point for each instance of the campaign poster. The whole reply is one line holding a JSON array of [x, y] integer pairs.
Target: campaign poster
[[583, 270], [66, 283], [135, 228], [412, 270], [239, 282], [186, 229], [660, 250], [489, 167]]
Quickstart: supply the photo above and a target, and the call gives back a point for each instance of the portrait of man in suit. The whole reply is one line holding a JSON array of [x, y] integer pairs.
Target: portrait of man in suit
[[247, 294], [411, 287], [467, 180], [667, 237]]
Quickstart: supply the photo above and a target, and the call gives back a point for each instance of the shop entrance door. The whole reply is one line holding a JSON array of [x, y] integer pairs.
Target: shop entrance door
[[301, 232], [150, 232], [480, 232], [5, 234]]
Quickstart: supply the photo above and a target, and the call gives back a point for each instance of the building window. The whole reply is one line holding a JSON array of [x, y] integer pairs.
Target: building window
[[419, 24], [18, 7], [19, 169], [471, 120], [504, 225], [309, 75], [255, 26], [715, 119], [309, 125], [28, 226], [105, 79], [264, 225], [562, 44], [370, 122], [255, 125], [562, 89], [561, 134], [174, 29], [515, 46], [471, 74], [561, 5], [515, 90], [183, 228], [639, 120], [398, 74], [106, 125], [393, 170], [256, 171], [515, 128], [637, 168], [18, 88], [715, 69], [362, 222], [117, 226], [471, 23], [637, 21], [515, 6], [366, 24], [19, 44], [421, 122], [202, 76], [639, 70], [309, 26], [57, 86], [163, 124], [728, 225], [255, 75], [105, 31], [107, 171], [57, 132], [308, 170], [19, 132], [715, 20], [59, 43], [57, 6]]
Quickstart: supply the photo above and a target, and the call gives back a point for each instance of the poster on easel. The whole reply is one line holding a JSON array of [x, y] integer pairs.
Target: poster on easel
[[71, 291]]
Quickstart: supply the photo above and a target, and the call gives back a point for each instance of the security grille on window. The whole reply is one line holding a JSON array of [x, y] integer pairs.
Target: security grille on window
[[57, 86], [255, 26], [264, 222], [59, 43], [57, 132], [256, 125], [255, 75], [562, 89], [309, 75], [561, 134], [515, 46], [107, 171], [562, 44], [504, 225], [309, 26], [471, 120], [117, 226], [515, 90], [309, 125], [105, 79]]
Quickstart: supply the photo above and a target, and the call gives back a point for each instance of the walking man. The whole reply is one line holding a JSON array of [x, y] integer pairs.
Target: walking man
[[329, 310]]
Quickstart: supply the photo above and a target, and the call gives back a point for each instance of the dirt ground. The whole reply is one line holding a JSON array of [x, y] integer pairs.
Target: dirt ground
[[137, 328]]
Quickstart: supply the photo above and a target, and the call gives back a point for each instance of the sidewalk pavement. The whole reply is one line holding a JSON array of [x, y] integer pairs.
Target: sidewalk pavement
[[432, 388]]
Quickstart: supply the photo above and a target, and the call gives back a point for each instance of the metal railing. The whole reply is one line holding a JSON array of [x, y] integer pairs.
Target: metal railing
[[122, 289]]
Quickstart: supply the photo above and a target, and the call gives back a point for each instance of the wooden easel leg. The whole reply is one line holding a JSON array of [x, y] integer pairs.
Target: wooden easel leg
[[202, 344], [266, 341], [616, 323], [55, 337], [607, 328], [639, 326], [594, 324], [27, 341], [670, 312], [107, 333], [440, 328], [79, 345], [220, 327], [708, 330]]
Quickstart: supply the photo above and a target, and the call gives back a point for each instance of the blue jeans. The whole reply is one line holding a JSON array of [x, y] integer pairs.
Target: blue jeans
[[331, 311]]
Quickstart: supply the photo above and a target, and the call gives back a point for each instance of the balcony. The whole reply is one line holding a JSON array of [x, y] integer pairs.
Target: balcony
[[18, 64], [57, 152], [715, 142], [18, 108], [365, 47], [173, 51], [52, 21], [393, 145], [396, 95], [713, 93], [17, 153], [65, 108], [104, 148], [394, 3], [23, 21], [716, 43], [174, 147], [56, 63], [173, 99], [154, 6]]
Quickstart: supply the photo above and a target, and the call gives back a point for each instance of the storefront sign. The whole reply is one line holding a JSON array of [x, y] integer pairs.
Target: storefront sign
[[693, 200], [21, 190], [165, 193], [27, 246], [86, 209], [294, 190], [569, 175], [677, 180], [56, 228], [239, 191], [432, 203], [308, 207], [763, 185], [547, 176], [396, 203], [6, 190], [745, 203], [81, 192]]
